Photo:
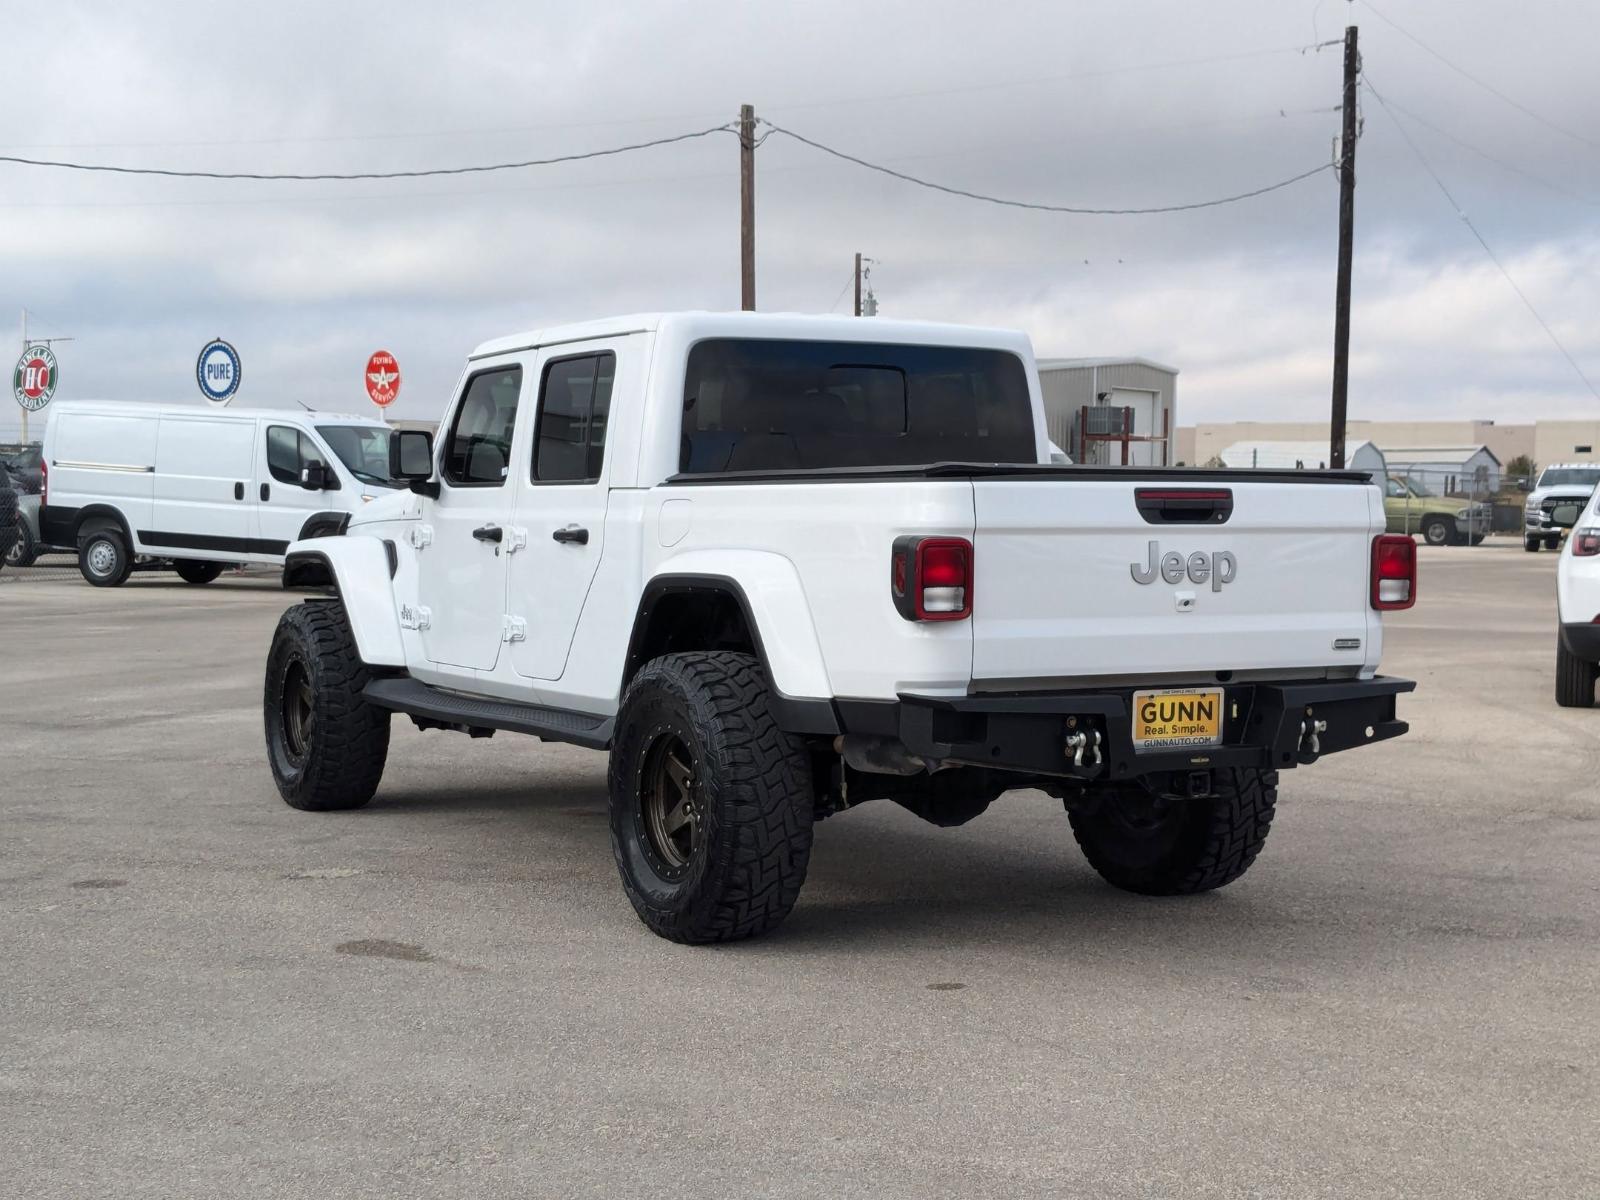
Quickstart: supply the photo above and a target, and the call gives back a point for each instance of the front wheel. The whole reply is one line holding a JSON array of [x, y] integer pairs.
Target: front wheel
[[1530, 544], [193, 571], [711, 803], [1553, 542], [24, 550], [1155, 846], [325, 742], [1437, 531]]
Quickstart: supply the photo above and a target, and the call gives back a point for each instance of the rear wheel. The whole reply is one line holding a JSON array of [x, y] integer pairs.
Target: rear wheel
[[326, 744], [711, 803], [104, 558], [1147, 844], [193, 571], [1575, 677]]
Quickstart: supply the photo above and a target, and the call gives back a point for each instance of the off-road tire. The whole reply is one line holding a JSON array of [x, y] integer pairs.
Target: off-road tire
[[1197, 846], [24, 550], [1575, 677], [752, 786], [342, 746], [192, 570], [104, 558], [1438, 531], [1531, 544]]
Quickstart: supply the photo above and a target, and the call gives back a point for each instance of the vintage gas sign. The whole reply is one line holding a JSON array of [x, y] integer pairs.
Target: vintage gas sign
[[383, 378], [34, 381], [218, 371]]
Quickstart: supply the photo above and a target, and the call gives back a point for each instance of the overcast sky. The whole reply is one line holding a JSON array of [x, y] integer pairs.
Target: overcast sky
[[1127, 103]]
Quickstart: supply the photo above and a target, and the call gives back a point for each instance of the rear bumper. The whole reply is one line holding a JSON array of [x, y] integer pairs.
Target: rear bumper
[[1265, 725]]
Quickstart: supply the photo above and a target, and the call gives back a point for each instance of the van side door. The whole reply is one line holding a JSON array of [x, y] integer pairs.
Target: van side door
[[561, 501], [203, 504]]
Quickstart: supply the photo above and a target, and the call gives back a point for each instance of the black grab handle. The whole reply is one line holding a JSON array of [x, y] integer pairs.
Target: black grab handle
[[572, 534], [488, 533]]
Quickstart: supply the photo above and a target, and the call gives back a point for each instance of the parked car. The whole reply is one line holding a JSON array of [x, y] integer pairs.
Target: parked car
[[780, 566], [1410, 507], [10, 519], [1558, 495], [1578, 607], [26, 467], [25, 548], [192, 489]]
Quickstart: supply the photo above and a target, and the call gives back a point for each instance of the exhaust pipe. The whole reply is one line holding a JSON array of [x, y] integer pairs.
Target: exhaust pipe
[[881, 755]]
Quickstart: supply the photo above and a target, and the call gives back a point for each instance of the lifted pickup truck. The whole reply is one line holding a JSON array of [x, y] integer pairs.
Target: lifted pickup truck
[[779, 566]]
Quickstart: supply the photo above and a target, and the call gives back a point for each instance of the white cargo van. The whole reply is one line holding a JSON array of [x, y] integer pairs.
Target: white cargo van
[[191, 489]]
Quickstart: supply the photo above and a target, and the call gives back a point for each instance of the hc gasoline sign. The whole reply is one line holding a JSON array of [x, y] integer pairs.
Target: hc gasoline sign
[[33, 383]]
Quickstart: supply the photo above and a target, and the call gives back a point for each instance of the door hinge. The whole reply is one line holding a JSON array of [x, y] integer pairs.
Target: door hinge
[[420, 536], [514, 629], [517, 539]]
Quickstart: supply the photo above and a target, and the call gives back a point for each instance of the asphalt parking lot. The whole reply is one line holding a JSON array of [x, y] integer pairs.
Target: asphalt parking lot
[[207, 993]]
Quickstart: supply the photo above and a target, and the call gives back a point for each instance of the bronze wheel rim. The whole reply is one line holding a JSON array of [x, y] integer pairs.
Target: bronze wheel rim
[[299, 720], [670, 804]]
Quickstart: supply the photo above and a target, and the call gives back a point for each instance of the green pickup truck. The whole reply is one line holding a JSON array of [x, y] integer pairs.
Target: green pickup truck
[[1412, 508]]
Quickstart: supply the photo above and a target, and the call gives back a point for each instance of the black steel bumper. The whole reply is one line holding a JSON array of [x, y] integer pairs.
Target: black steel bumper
[[1264, 725]]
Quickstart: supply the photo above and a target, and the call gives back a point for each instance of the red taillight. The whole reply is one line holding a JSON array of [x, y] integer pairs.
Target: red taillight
[[931, 578], [1394, 572], [1586, 543]]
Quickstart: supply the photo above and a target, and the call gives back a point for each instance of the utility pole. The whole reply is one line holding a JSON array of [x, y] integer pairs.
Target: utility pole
[[858, 283], [1347, 223], [747, 207]]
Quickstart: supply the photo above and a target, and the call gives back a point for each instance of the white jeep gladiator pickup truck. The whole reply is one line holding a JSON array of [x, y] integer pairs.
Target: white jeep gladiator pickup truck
[[779, 566]]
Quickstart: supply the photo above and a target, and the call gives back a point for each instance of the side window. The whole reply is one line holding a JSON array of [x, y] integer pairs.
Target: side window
[[478, 450], [1395, 489], [574, 407], [287, 451]]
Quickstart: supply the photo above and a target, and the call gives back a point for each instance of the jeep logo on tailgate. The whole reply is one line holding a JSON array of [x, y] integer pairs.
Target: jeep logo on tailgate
[[1219, 568]]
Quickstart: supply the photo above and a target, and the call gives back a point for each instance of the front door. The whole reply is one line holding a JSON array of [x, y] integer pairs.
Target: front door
[[282, 505], [463, 567], [561, 509]]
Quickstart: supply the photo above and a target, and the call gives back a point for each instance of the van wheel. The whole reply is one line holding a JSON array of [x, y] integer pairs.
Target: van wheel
[[103, 557], [1438, 531], [1143, 843], [192, 571], [24, 550], [711, 803], [325, 742], [1575, 677]]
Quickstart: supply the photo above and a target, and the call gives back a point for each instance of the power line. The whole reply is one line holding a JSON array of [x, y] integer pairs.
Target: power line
[[473, 170], [1483, 83], [1493, 257], [1059, 208]]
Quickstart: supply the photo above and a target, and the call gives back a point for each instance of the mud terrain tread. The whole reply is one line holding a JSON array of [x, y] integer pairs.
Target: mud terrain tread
[[758, 784], [351, 741], [1217, 846]]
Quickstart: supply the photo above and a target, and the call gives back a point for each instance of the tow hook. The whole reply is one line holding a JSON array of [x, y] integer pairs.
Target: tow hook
[[1310, 742], [1084, 747]]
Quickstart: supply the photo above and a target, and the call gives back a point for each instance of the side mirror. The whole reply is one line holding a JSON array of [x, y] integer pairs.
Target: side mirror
[[315, 477], [1565, 515], [411, 459]]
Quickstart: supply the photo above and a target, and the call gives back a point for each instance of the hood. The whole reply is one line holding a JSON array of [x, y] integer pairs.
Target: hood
[[387, 506]]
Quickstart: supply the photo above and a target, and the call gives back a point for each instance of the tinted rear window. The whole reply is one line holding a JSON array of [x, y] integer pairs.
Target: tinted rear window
[[758, 405]]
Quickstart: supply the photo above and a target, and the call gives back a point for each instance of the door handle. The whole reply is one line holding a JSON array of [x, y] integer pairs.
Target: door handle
[[488, 533], [265, 491], [238, 491], [572, 534]]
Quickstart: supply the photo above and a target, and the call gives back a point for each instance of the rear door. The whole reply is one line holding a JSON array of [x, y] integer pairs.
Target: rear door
[[203, 500], [1078, 578], [561, 506]]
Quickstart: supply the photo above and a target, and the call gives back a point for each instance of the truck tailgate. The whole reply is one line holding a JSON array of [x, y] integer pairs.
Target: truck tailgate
[[1072, 579]]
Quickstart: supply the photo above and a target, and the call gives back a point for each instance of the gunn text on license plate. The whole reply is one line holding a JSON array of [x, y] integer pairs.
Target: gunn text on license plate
[[1177, 718]]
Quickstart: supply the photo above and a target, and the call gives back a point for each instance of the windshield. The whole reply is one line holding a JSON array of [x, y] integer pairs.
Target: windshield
[[1570, 477], [364, 449]]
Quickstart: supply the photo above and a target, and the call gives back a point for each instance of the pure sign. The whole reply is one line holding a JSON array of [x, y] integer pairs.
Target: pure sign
[[218, 372], [383, 378], [34, 381]]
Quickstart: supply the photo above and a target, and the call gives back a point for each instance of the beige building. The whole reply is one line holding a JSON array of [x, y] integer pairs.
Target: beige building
[[1543, 441]]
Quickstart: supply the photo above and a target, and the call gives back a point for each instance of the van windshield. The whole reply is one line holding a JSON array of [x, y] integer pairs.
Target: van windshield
[[364, 449], [753, 404]]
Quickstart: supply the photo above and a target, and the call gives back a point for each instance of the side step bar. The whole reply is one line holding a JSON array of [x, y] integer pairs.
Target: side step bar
[[449, 709]]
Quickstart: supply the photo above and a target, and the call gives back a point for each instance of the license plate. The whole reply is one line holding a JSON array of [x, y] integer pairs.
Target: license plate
[[1176, 718]]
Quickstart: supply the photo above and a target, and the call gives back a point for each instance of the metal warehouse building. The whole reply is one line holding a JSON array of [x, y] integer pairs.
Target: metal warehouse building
[[1095, 408]]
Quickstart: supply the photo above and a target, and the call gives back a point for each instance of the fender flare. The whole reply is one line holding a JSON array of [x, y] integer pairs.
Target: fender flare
[[102, 512], [767, 589], [358, 570], [324, 524]]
